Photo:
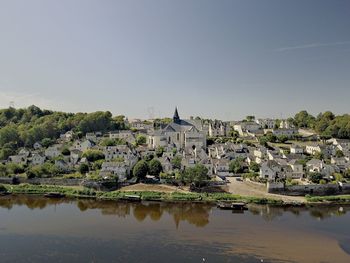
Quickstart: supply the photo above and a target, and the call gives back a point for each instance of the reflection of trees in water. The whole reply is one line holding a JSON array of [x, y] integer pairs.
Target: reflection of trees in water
[[106, 207], [270, 213], [32, 202], [194, 213]]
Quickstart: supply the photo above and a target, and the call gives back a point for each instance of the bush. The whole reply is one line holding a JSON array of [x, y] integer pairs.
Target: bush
[[3, 189], [93, 155], [73, 176], [322, 181], [83, 168], [315, 177]]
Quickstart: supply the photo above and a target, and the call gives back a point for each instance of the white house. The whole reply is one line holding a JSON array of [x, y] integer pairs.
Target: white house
[[296, 149]]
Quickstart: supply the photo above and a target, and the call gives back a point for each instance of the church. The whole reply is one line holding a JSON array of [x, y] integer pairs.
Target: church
[[180, 134]]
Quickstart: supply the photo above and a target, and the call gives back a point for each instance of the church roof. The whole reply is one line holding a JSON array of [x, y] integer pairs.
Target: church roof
[[176, 114]]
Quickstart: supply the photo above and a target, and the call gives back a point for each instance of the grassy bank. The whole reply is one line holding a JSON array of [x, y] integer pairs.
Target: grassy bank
[[343, 199], [80, 192]]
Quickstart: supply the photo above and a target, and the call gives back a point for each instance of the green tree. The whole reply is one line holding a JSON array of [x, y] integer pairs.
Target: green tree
[[315, 177], [250, 118], [9, 134], [318, 155], [140, 139], [176, 162], [140, 169], [65, 151], [236, 166], [254, 167], [93, 155], [155, 167], [112, 142], [197, 175], [83, 168], [339, 153], [159, 151], [46, 142]]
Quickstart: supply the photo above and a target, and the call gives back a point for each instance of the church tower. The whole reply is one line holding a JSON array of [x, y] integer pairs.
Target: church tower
[[176, 118]]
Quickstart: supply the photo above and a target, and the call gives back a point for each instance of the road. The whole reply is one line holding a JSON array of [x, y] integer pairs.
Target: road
[[245, 188]]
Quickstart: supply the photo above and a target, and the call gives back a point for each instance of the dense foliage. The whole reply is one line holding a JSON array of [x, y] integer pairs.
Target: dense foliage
[[27, 126], [326, 124]]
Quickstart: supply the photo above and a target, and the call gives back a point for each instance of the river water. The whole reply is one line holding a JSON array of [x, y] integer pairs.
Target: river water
[[38, 229]]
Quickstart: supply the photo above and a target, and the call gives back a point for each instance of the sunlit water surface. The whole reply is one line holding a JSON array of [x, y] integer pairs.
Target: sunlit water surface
[[37, 229]]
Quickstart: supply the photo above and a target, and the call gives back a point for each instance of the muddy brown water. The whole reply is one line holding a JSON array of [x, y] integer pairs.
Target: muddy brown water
[[38, 229]]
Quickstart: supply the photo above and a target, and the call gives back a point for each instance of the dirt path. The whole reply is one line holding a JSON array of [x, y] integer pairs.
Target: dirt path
[[245, 188]]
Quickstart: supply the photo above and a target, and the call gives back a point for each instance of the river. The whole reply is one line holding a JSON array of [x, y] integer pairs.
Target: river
[[38, 229]]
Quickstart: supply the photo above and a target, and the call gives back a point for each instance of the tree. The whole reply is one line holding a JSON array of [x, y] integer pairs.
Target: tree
[[46, 142], [159, 151], [93, 155], [236, 166], [140, 169], [197, 175], [9, 134], [176, 162], [315, 177], [318, 155], [339, 153], [112, 142], [254, 167], [250, 118], [140, 139], [83, 168], [155, 167], [65, 151]]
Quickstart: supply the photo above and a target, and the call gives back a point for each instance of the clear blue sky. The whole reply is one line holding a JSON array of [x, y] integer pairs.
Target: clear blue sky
[[217, 59]]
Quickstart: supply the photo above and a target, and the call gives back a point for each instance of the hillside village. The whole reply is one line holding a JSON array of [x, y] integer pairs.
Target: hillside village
[[193, 152]]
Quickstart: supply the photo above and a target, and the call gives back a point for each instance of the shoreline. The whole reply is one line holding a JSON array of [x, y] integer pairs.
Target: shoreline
[[213, 198]]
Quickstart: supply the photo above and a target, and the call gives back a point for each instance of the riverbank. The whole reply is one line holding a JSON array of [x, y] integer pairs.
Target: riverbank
[[80, 192]]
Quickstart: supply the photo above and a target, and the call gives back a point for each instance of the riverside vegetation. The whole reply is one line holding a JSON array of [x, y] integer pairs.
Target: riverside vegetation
[[80, 192]]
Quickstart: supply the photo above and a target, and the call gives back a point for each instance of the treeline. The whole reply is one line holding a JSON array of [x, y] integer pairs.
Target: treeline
[[24, 127], [326, 124]]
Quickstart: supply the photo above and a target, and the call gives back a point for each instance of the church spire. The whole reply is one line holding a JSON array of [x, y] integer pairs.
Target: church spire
[[176, 117]]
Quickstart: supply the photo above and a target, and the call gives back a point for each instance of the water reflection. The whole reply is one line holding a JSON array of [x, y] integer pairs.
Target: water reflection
[[320, 212], [85, 228], [197, 214]]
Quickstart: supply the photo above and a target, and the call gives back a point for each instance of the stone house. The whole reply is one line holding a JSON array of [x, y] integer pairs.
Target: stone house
[[38, 159], [18, 159], [180, 134], [119, 169], [53, 151]]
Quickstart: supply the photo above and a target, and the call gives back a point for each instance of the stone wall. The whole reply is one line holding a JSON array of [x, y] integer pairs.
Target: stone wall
[[311, 189]]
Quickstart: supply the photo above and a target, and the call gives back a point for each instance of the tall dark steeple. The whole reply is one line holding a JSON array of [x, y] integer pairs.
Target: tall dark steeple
[[176, 117]]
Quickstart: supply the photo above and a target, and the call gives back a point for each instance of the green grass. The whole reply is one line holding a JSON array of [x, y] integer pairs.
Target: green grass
[[44, 189], [81, 192], [332, 198]]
